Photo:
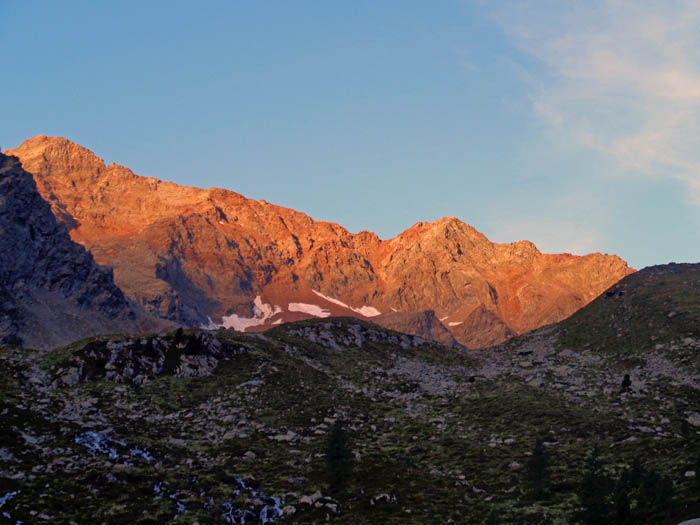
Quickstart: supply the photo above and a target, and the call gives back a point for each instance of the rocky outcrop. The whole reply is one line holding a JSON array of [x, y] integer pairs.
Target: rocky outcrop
[[212, 257], [51, 291], [341, 334], [140, 359], [481, 327], [137, 360], [423, 324]]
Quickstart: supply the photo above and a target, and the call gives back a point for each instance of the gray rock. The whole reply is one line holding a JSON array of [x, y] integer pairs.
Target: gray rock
[[310, 500], [51, 290], [694, 419], [6, 455], [383, 498]]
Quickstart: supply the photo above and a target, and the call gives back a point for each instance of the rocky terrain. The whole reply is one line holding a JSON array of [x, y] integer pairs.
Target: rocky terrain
[[593, 420], [424, 324], [51, 290], [214, 258]]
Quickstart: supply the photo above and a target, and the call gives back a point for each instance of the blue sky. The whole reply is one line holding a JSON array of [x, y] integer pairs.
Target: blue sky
[[572, 124]]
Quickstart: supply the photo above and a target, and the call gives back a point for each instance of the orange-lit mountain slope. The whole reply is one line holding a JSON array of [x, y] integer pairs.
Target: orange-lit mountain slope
[[214, 257]]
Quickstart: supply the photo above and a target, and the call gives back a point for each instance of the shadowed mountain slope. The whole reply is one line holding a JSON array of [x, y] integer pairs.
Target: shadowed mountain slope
[[655, 311], [51, 291]]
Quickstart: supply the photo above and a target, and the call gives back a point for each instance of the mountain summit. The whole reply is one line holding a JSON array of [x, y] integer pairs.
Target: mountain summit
[[215, 258]]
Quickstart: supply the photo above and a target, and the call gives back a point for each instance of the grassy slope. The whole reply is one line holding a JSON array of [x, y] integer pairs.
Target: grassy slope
[[658, 305], [421, 427]]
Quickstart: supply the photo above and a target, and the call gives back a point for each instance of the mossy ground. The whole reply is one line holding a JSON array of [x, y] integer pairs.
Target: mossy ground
[[454, 452], [652, 307]]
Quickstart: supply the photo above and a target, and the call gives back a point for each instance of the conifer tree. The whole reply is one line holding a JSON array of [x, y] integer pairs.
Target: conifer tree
[[655, 494], [492, 518], [623, 510], [338, 457], [537, 468], [193, 345], [593, 494]]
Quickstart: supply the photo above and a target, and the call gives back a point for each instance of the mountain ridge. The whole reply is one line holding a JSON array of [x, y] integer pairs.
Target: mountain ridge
[[198, 256]]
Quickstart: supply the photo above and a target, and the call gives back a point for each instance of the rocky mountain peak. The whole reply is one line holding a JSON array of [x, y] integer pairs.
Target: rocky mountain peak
[[213, 257], [51, 151]]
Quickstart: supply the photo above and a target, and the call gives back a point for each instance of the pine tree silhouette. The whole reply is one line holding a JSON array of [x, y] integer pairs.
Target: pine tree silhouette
[[537, 468], [338, 457], [593, 494]]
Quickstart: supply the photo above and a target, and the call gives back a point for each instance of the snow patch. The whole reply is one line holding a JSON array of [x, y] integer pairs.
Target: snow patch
[[209, 325], [366, 311], [261, 313], [142, 453], [7, 497], [117, 449], [271, 510], [311, 309], [455, 324]]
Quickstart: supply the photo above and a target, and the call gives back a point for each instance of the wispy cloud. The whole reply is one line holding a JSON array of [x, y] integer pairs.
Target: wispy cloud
[[623, 78]]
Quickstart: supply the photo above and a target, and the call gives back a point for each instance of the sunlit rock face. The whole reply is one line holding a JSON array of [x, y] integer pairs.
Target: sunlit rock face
[[51, 290], [212, 257]]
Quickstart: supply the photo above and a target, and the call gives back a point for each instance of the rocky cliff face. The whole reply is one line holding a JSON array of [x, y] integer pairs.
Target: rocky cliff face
[[51, 291], [213, 257]]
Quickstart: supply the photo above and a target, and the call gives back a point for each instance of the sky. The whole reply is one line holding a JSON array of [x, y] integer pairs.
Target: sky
[[570, 124]]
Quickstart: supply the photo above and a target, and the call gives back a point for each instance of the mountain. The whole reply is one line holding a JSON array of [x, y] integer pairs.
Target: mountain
[[51, 291], [215, 258], [595, 419]]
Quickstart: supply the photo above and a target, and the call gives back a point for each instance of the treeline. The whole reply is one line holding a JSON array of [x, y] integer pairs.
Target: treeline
[[638, 494]]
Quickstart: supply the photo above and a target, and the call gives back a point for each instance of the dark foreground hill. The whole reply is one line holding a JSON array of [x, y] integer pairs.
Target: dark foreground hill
[[217, 427], [656, 310]]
